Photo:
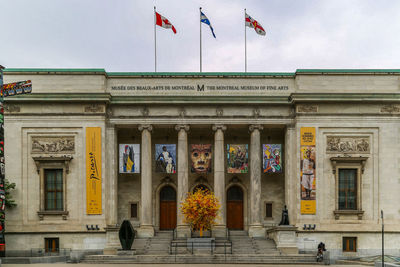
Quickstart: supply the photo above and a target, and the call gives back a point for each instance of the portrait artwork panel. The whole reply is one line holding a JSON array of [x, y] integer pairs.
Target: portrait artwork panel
[[129, 158], [272, 158], [201, 157], [165, 158], [237, 158], [307, 172]]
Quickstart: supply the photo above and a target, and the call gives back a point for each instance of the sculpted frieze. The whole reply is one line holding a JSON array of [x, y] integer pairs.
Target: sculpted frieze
[[50, 144], [347, 144], [307, 108], [390, 109]]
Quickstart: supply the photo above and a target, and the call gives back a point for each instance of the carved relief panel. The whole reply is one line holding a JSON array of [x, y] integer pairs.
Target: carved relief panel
[[53, 144], [348, 144]]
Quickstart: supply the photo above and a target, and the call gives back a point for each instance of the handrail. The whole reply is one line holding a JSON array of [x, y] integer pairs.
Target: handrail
[[191, 244]]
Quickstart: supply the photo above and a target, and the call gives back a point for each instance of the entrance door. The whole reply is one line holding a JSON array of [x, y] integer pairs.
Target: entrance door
[[234, 208], [167, 208]]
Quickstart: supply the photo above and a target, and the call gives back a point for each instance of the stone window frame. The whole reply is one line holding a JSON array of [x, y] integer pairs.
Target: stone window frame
[[349, 239], [48, 162], [137, 218], [265, 210], [357, 163]]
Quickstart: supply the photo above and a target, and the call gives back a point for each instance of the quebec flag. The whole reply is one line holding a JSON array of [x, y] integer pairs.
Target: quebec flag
[[205, 20]]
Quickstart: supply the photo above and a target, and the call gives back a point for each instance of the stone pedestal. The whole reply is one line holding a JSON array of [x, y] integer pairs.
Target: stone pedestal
[[130, 252], [112, 239], [285, 238]]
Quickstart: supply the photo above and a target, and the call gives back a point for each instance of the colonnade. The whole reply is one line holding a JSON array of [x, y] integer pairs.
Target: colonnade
[[146, 228]]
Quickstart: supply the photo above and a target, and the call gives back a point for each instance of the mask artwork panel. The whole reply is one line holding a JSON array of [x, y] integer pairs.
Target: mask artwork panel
[[201, 157], [165, 158], [129, 158], [238, 158], [272, 158]]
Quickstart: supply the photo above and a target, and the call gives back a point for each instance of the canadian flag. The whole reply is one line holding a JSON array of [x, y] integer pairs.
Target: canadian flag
[[252, 23], [164, 22]]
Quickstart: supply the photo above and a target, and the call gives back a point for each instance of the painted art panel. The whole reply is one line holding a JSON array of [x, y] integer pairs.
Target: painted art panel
[[129, 158], [165, 158], [238, 158], [272, 156], [307, 170], [93, 170], [201, 157]]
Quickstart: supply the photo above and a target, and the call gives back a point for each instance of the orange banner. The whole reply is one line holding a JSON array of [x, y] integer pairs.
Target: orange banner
[[93, 170], [307, 171]]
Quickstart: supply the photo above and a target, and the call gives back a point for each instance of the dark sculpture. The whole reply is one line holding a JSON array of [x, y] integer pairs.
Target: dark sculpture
[[285, 217], [126, 235]]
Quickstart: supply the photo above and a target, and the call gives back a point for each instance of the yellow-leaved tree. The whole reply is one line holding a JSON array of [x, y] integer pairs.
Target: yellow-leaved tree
[[200, 210]]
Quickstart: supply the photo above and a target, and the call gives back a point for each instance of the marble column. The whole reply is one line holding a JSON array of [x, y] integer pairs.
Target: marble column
[[111, 180], [146, 228], [291, 194], [256, 229], [183, 229], [219, 177]]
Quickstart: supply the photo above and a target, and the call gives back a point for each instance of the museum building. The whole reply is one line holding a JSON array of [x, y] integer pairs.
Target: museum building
[[88, 149]]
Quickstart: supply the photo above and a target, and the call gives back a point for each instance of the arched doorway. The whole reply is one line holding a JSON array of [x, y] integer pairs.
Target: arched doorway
[[234, 208], [167, 208]]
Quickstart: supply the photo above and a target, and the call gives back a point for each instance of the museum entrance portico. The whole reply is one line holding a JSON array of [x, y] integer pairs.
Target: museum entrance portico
[[164, 162]]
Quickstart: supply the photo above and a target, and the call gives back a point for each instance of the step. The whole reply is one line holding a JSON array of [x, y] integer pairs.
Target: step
[[188, 258]]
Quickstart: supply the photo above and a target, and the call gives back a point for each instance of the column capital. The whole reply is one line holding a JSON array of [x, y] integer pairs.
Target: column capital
[[184, 127], [216, 127], [147, 127], [290, 126], [253, 127]]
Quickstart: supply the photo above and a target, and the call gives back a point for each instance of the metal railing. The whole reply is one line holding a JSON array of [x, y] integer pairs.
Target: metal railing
[[192, 245]]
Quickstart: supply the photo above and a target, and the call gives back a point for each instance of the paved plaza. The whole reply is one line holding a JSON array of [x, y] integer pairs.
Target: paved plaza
[[156, 265]]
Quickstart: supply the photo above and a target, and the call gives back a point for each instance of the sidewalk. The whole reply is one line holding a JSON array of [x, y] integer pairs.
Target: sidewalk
[[163, 265]]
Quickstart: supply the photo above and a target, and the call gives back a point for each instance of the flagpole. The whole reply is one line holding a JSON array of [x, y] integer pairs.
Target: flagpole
[[200, 44], [245, 43], [155, 41]]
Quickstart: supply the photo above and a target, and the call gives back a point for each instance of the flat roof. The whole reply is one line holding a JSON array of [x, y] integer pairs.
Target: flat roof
[[196, 74]]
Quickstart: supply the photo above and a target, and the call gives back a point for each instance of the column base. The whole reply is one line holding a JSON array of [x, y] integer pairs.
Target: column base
[[219, 231], [112, 238], [145, 231], [256, 231], [183, 231]]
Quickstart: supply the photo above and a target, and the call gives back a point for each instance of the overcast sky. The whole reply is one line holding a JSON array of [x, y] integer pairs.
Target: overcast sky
[[118, 35]]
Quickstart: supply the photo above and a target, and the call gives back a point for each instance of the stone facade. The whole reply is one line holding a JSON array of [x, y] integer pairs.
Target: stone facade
[[355, 114]]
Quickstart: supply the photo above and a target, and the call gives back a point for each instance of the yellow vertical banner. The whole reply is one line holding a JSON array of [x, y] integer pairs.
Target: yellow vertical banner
[[307, 170], [93, 170]]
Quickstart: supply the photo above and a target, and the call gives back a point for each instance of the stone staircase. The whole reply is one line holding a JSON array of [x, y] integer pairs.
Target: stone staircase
[[244, 250], [157, 245], [243, 244]]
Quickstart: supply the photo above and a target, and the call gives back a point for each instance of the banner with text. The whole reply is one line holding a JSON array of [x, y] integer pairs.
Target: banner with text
[[307, 170], [93, 170]]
